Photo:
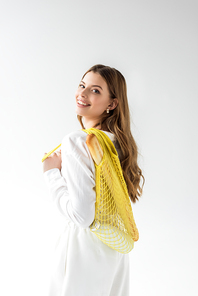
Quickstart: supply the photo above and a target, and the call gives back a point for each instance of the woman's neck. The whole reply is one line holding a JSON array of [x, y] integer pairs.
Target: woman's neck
[[91, 123], [94, 124]]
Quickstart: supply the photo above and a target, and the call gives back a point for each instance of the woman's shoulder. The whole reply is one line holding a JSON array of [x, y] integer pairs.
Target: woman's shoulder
[[74, 140], [73, 136]]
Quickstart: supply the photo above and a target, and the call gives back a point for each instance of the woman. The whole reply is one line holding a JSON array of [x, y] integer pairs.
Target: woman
[[84, 265]]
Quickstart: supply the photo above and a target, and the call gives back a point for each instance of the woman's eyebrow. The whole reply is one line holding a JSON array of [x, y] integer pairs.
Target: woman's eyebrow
[[97, 86], [93, 85]]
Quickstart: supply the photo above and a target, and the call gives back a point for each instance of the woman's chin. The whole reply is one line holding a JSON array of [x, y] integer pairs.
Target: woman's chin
[[81, 111]]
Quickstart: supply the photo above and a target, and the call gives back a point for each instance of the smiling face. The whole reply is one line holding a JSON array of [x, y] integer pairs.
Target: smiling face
[[93, 99]]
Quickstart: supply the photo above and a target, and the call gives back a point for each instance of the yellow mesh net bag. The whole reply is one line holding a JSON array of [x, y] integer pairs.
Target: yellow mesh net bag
[[114, 222]]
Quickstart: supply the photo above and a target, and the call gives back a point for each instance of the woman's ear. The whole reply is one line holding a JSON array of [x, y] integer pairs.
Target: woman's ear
[[113, 104]]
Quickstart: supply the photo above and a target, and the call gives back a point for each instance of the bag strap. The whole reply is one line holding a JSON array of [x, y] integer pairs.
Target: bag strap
[[103, 139]]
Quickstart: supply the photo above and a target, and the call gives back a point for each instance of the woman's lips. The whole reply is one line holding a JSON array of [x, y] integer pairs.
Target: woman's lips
[[82, 104]]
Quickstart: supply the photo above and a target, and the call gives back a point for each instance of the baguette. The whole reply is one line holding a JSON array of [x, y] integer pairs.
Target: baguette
[[94, 148]]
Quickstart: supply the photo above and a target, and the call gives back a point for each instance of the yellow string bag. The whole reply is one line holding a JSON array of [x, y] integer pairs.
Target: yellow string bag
[[114, 222]]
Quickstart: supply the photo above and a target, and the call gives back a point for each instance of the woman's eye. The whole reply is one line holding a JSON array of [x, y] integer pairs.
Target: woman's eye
[[96, 91], [81, 85]]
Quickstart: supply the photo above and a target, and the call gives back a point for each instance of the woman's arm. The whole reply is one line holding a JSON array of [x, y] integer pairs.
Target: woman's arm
[[74, 186]]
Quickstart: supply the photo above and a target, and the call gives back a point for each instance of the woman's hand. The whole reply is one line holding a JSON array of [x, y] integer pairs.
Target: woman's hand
[[53, 161]]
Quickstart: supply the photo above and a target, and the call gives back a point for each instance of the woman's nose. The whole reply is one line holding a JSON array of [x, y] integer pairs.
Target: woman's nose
[[83, 92]]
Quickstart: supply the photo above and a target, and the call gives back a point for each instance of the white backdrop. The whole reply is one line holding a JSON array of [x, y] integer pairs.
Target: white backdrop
[[45, 48]]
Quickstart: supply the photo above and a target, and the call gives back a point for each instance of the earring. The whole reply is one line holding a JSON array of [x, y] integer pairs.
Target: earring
[[107, 110]]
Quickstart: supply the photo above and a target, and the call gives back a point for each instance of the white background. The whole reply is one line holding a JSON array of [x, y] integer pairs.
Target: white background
[[45, 48]]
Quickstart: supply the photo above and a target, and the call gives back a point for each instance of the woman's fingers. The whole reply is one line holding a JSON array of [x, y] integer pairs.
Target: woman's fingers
[[52, 161], [56, 156]]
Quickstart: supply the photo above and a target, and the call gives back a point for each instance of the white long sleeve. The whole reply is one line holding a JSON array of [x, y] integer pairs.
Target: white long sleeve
[[73, 189]]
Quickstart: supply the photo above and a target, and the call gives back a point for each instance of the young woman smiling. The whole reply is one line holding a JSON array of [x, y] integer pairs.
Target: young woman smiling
[[83, 264]]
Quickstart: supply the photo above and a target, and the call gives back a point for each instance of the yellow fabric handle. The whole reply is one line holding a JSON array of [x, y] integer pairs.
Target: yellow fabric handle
[[48, 154]]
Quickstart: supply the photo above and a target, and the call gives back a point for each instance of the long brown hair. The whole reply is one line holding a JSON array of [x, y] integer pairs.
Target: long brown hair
[[117, 121]]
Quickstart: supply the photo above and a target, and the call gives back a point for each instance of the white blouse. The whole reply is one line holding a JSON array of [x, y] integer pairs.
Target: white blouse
[[83, 265], [73, 188]]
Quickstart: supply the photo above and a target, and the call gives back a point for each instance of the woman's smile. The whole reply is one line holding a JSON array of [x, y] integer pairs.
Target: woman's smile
[[82, 104]]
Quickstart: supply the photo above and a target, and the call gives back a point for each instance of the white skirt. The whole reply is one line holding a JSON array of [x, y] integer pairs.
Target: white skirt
[[84, 266]]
